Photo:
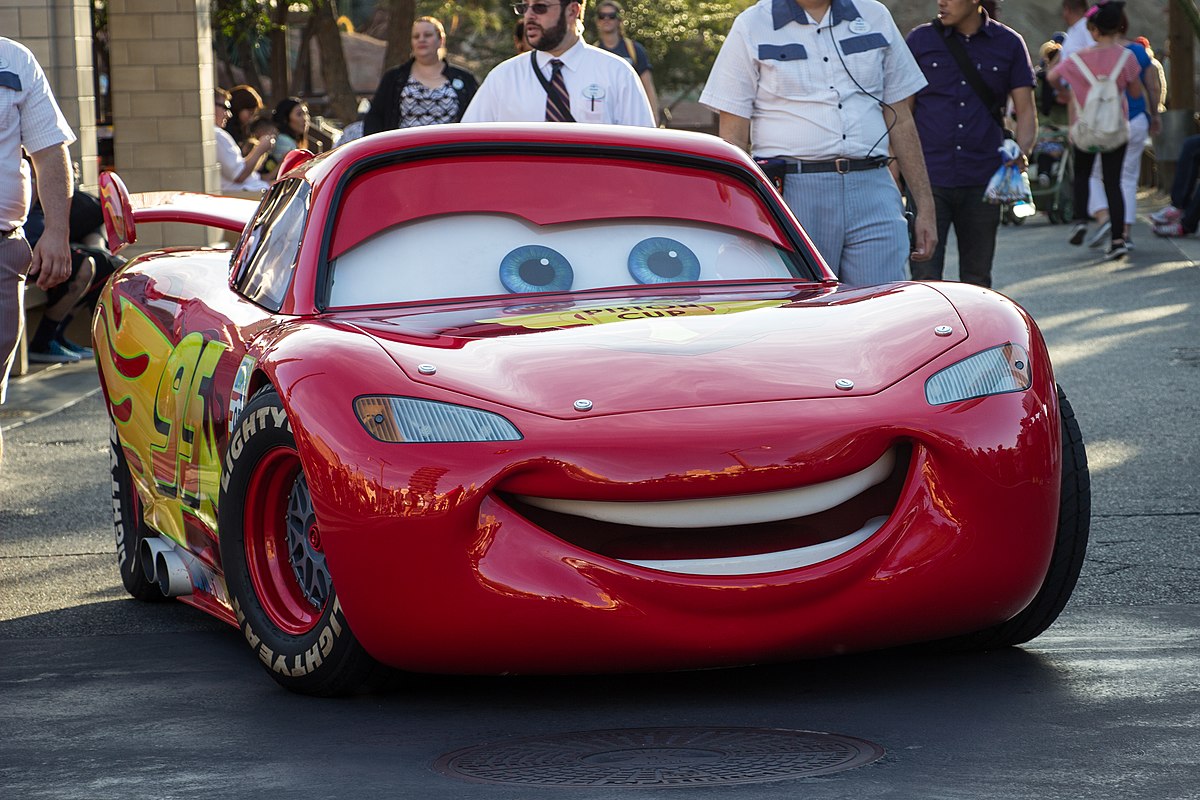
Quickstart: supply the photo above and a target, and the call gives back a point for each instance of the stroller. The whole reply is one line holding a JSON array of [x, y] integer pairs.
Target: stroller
[[1050, 171]]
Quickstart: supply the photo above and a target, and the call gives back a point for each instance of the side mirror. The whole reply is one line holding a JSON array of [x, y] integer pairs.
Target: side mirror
[[293, 159]]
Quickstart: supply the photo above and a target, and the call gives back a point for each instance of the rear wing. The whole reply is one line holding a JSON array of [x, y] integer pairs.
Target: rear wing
[[123, 211]]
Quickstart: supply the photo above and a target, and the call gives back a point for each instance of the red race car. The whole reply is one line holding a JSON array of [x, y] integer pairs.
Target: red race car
[[570, 399]]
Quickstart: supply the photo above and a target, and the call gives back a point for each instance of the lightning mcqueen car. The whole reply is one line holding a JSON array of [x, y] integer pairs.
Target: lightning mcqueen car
[[569, 399]]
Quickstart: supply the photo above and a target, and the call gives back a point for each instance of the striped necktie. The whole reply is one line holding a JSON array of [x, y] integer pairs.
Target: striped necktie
[[557, 98]]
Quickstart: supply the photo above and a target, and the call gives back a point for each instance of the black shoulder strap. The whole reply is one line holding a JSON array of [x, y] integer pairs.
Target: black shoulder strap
[[551, 96], [969, 72]]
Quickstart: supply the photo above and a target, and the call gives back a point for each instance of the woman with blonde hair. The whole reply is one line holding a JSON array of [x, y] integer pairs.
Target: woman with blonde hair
[[425, 90]]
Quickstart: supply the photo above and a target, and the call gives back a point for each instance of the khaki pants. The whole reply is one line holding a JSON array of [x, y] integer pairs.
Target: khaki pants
[[15, 257]]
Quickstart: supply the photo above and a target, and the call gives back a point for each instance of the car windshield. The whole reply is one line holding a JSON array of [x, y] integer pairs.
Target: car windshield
[[431, 229], [471, 255]]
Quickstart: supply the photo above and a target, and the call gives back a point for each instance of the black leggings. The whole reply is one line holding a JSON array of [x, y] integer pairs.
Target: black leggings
[[1110, 171]]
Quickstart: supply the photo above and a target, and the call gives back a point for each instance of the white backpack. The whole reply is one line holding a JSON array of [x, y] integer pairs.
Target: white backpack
[[1101, 124]]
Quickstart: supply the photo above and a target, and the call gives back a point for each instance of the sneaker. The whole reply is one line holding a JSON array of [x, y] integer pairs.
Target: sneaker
[[1128, 243], [54, 354], [1165, 215], [1100, 235], [1078, 232], [1118, 250], [1171, 229], [78, 349]]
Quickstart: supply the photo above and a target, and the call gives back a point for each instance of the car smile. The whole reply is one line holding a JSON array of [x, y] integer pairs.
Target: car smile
[[732, 535]]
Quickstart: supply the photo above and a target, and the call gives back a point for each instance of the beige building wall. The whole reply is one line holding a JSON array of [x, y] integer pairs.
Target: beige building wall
[[59, 33], [162, 104]]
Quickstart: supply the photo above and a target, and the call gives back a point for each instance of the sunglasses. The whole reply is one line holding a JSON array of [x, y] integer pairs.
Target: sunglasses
[[608, 15], [538, 8], [226, 106]]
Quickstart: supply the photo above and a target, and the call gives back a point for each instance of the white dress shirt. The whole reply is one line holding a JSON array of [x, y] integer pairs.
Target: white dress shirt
[[29, 117], [603, 88], [812, 89]]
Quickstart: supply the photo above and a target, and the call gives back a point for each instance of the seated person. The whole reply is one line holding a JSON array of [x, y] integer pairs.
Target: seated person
[[238, 174], [1182, 216]]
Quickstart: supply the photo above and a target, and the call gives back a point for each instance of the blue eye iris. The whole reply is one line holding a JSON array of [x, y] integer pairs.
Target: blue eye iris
[[663, 260], [534, 268]]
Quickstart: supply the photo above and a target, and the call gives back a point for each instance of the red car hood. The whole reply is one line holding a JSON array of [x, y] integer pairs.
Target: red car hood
[[644, 352]]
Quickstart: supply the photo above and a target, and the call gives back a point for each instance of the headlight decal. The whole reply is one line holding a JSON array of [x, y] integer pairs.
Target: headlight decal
[[999, 370], [409, 419]]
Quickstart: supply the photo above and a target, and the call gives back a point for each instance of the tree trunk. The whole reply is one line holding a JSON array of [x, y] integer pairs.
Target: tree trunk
[[343, 104], [401, 14], [279, 54], [245, 48]]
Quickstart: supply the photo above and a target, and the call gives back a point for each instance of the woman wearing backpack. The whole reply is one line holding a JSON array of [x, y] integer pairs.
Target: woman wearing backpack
[[1144, 121], [1106, 73]]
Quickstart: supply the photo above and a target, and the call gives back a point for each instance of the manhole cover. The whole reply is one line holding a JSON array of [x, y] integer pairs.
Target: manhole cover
[[637, 757]]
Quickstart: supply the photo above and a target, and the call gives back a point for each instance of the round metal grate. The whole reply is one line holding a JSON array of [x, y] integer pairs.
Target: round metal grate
[[637, 757]]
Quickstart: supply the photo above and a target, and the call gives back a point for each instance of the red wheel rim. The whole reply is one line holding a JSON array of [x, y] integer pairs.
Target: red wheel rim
[[266, 541]]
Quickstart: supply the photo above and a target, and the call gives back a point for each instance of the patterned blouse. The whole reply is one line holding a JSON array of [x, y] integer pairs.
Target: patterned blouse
[[420, 105]]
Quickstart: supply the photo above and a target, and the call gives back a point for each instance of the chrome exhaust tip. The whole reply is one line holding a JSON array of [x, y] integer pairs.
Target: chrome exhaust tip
[[161, 564]]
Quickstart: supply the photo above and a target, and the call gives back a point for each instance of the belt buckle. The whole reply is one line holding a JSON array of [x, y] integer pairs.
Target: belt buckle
[[841, 165]]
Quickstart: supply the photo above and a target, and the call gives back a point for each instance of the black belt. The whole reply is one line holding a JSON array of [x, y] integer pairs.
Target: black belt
[[838, 165]]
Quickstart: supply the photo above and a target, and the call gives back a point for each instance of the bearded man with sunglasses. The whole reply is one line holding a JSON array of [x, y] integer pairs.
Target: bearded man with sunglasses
[[564, 79]]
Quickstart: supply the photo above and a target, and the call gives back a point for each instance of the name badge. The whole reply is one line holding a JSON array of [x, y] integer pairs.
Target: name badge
[[860, 25], [593, 92]]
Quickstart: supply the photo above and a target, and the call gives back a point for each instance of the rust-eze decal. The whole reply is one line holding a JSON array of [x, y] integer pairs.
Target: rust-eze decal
[[162, 399], [620, 313]]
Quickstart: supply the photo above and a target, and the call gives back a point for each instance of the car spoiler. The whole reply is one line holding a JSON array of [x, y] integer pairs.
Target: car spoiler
[[123, 211]]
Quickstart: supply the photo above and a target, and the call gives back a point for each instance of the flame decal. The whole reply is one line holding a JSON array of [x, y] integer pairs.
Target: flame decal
[[160, 394]]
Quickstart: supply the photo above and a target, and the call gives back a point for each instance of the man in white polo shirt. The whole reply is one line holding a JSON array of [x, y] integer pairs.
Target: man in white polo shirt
[[564, 79], [820, 90], [29, 119]]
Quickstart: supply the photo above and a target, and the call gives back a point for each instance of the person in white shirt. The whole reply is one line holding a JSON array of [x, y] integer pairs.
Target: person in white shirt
[[600, 87], [819, 92], [1074, 14], [238, 174], [30, 120]]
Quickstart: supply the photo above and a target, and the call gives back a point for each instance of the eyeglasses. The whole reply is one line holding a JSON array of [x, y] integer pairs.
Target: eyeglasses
[[538, 8], [608, 15]]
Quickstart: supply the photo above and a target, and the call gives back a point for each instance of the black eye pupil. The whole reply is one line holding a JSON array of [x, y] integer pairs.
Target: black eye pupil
[[665, 264], [537, 272]]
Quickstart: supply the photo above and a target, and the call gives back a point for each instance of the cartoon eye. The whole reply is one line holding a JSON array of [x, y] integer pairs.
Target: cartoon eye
[[535, 268], [662, 260]]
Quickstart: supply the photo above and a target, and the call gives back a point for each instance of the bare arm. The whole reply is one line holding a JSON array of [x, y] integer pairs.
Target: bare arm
[[52, 254], [255, 157], [1027, 122], [906, 144], [735, 130]]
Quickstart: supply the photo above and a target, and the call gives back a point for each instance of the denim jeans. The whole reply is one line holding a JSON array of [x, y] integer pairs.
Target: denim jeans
[[975, 222]]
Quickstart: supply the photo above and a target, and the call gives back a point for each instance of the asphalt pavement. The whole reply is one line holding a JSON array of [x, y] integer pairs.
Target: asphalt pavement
[[101, 696]]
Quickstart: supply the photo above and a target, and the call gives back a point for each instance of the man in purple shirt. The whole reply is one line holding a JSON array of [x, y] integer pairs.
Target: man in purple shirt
[[961, 135]]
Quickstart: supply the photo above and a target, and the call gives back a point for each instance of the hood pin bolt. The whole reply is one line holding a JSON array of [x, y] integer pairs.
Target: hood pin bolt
[[426, 369], [583, 405]]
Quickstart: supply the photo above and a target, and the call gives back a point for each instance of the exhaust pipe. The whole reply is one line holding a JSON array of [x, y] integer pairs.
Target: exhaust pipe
[[162, 564]]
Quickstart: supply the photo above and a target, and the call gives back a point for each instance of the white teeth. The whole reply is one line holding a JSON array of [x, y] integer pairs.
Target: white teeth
[[766, 562], [740, 510], [748, 509]]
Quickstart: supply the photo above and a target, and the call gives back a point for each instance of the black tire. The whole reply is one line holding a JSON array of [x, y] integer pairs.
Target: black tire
[[129, 526], [1070, 547], [289, 613]]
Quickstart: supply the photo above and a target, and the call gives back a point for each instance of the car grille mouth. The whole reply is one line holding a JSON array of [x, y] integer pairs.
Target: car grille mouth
[[759, 535]]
